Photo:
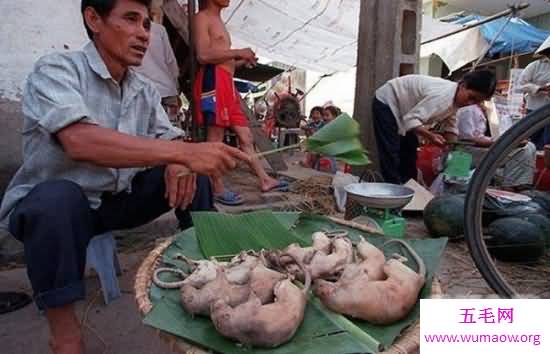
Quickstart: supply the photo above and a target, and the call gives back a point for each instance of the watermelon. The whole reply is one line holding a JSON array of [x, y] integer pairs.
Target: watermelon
[[494, 210], [515, 240], [543, 223], [444, 216], [542, 198]]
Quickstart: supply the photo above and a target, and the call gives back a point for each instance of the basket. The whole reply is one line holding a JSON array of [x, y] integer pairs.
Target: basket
[[407, 343]]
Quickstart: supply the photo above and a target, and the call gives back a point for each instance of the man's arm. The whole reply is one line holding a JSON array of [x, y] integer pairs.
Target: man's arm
[[206, 54], [53, 102], [423, 111], [110, 148], [526, 80]]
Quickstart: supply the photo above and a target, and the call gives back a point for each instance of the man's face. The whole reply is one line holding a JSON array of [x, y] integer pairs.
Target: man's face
[[123, 35], [466, 97]]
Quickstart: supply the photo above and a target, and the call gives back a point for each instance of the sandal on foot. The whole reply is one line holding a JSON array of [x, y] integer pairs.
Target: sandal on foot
[[282, 186], [229, 198]]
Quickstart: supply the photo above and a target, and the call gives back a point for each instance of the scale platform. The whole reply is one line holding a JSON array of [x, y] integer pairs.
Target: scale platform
[[382, 204]]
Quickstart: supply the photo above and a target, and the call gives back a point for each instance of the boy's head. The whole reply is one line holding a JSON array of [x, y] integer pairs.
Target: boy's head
[[119, 29], [316, 113], [475, 87]]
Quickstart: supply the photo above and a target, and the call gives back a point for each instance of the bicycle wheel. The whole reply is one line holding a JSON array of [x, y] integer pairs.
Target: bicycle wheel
[[496, 273]]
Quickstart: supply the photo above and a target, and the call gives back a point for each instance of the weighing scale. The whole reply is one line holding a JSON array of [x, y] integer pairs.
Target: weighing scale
[[381, 204]]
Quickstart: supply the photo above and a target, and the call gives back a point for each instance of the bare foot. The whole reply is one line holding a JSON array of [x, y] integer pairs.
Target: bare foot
[[67, 345], [65, 333], [269, 183]]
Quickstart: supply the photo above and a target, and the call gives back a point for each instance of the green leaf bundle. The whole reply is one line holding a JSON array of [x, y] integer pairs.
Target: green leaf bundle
[[339, 139]]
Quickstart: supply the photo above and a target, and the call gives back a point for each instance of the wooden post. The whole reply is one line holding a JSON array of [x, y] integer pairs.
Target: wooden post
[[191, 8], [387, 46]]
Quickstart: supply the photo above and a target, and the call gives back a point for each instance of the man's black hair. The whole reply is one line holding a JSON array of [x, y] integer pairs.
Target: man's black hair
[[483, 81], [316, 108], [104, 8]]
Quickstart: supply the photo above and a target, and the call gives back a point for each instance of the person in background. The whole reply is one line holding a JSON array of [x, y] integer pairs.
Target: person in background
[[519, 167], [408, 106], [161, 67], [315, 123], [315, 120], [330, 112], [217, 100], [535, 83]]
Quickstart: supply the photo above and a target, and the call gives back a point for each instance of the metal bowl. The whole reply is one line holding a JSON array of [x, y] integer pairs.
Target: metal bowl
[[380, 195]]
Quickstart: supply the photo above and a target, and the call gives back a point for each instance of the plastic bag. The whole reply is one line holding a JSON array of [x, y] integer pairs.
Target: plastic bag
[[339, 182]]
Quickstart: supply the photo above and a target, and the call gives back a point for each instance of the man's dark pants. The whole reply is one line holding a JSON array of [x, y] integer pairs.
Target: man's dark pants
[[397, 154], [56, 223]]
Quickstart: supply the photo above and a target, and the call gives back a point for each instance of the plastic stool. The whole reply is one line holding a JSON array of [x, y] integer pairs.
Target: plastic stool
[[101, 255]]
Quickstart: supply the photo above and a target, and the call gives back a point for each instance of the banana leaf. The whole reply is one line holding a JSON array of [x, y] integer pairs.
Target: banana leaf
[[339, 139], [337, 147], [342, 128], [223, 234], [354, 158], [322, 330]]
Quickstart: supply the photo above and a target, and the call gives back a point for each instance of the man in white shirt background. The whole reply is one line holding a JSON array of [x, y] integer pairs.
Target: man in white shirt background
[[161, 67], [517, 169], [535, 83], [407, 107]]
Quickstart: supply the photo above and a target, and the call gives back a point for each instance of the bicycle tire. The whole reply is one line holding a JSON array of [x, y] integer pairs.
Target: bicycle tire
[[476, 192]]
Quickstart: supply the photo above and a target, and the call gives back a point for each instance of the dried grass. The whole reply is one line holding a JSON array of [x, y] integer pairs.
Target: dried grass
[[312, 195]]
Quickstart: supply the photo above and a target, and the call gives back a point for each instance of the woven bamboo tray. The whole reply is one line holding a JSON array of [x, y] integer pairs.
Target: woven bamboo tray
[[407, 343]]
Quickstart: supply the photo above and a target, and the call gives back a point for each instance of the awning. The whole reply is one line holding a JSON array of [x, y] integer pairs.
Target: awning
[[518, 36], [259, 73], [315, 35], [456, 50], [322, 35]]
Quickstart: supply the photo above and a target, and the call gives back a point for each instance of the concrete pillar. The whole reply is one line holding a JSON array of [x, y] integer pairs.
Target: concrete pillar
[[388, 46]]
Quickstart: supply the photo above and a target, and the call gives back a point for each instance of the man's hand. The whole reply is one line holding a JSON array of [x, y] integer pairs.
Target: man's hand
[[212, 159], [437, 139], [249, 56], [434, 138], [179, 190]]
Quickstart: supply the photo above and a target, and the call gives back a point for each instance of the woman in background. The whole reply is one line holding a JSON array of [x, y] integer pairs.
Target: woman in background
[[518, 168]]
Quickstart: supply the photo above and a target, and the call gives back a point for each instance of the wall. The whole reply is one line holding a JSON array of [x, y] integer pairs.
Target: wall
[[29, 29]]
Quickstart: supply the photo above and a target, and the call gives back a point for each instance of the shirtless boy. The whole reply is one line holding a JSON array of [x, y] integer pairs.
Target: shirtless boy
[[217, 99]]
